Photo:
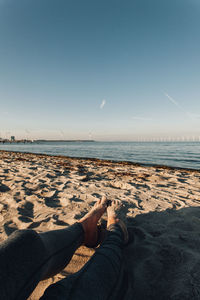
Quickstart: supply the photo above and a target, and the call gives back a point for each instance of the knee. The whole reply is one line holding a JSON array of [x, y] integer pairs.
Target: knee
[[24, 233], [22, 238]]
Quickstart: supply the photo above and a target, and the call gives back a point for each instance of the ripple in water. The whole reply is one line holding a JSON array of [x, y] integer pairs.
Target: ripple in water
[[177, 154]]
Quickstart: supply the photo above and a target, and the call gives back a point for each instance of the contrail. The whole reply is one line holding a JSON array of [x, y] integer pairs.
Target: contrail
[[103, 103], [177, 105], [189, 114], [172, 100]]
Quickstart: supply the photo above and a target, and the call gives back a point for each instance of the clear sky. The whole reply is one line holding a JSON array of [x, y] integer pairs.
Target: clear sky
[[107, 70]]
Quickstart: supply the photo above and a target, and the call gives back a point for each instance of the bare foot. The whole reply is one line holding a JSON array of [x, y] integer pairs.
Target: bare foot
[[90, 220], [117, 215], [115, 212]]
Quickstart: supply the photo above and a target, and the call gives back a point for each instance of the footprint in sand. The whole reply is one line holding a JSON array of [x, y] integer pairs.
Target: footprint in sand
[[25, 208], [58, 221], [50, 202], [4, 188], [9, 227], [76, 199]]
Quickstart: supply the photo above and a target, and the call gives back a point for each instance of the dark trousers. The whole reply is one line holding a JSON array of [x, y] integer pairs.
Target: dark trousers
[[27, 257]]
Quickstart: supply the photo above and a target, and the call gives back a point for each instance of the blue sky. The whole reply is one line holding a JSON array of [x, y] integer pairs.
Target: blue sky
[[107, 70]]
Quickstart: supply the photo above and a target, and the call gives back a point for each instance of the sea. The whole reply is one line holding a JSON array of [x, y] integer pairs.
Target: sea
[[174, 154]]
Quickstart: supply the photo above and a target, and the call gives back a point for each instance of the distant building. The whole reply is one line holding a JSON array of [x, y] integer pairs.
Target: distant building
[[12, 138]]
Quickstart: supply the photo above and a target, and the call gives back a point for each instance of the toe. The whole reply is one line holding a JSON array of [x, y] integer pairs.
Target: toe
[[104, 200], [113, 203]]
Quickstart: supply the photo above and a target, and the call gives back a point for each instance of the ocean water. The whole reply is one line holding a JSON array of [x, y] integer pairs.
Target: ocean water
[[175, 154]]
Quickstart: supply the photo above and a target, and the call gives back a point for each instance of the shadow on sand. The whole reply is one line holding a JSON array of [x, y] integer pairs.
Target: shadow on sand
[[163, 261]]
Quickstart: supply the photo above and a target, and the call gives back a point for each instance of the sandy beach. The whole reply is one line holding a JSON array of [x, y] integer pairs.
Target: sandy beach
[[44, 192]]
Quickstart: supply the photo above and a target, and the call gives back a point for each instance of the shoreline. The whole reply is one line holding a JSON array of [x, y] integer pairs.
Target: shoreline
[[43, 192], [92, 159]]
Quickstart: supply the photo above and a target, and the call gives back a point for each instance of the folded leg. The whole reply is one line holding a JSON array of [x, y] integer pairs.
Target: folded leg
[[99, 278], [27, 257]]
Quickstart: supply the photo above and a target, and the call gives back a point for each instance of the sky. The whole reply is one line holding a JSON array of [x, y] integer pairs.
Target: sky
[[103, 70]]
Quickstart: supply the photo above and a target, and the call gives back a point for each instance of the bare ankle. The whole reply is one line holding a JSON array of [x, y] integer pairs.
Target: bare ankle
[[112, 220]]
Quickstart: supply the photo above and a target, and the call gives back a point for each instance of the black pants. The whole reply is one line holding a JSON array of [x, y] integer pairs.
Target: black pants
[[27, 257]]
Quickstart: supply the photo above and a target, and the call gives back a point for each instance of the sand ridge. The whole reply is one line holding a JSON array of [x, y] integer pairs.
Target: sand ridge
[[44, 192]]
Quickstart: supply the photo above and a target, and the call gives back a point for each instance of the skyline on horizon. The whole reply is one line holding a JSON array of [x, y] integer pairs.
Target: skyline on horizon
[[103, 71], [28, 137]]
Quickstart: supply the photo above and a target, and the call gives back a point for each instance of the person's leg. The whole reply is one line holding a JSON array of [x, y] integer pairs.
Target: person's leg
[[27, 257], [99, 278], [62, 244]]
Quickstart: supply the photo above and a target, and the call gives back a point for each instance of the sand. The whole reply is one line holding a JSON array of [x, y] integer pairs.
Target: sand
[[50, 192]]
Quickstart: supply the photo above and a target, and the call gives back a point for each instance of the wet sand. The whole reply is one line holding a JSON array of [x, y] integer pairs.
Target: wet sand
[[44, 192]]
